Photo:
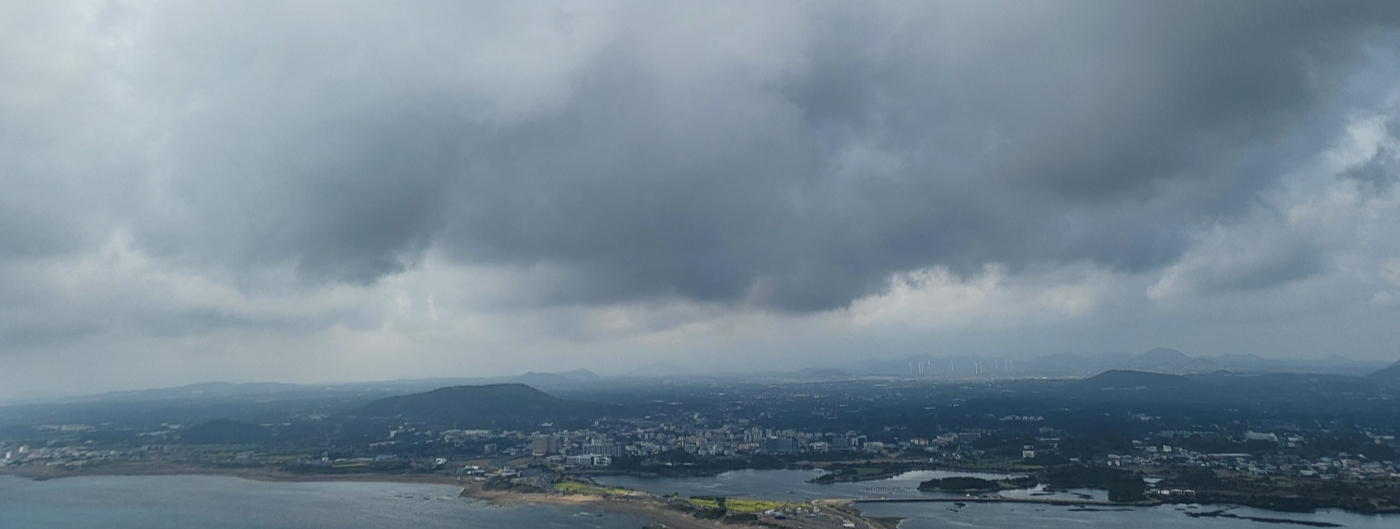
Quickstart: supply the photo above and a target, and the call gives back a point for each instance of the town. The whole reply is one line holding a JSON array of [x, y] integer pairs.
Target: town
[[1329, 441]]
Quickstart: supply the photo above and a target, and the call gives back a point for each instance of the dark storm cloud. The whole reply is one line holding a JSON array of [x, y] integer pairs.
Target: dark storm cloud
[[664, 161]]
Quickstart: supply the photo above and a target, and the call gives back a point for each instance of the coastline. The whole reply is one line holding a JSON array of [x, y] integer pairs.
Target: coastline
[[252, 474], [847, 507], [645, 507]]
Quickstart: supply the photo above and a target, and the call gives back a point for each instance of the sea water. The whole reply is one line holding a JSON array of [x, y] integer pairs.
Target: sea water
[[185, 502], [188, 502]]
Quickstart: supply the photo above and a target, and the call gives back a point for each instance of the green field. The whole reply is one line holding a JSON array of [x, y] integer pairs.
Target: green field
[[757, 506], [705, 503], [741, 505]]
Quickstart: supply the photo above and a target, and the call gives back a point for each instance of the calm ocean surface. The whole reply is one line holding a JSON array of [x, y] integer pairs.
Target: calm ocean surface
[[188, 502]]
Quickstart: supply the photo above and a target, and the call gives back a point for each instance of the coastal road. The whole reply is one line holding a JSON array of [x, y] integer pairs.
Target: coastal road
[[842, 514]]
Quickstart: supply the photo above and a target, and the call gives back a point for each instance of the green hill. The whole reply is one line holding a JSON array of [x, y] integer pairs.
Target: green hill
[[1387, 375], [1136, 380], [488, 406]]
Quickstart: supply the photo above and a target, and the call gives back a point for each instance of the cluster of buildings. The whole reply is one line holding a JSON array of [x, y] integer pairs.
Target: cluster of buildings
[[600, 445], [1150, 453], [604, 443], [681, 438], [65, 456]]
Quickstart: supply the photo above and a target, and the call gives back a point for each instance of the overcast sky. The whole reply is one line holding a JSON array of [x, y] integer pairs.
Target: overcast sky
[[335, 191]]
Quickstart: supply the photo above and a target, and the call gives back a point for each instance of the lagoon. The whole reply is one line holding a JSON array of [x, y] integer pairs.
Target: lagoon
[[792, 485], [788, 485], [1018, 516]]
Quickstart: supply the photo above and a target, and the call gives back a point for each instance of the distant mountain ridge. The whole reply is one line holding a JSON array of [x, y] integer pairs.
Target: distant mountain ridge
[[367, 390], [1158, 360], [566, 378], [1066, 365]]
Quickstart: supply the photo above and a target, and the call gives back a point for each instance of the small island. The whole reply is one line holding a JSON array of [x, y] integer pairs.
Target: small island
[[974, 484], [960, 484], [864, 471], [1123, 486]]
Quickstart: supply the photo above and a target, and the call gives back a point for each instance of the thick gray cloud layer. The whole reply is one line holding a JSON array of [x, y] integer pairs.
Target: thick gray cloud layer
[[796, 170], [790, 157]]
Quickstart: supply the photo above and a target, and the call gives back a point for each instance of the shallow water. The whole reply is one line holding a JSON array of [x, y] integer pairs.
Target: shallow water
[[788, 485], [791, 485], [1016, 516]]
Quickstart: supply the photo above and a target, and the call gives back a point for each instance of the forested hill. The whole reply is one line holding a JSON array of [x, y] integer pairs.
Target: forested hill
[[488, 406]]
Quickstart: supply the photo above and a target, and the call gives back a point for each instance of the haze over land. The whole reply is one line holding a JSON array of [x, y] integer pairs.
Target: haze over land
[[337, 191]]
